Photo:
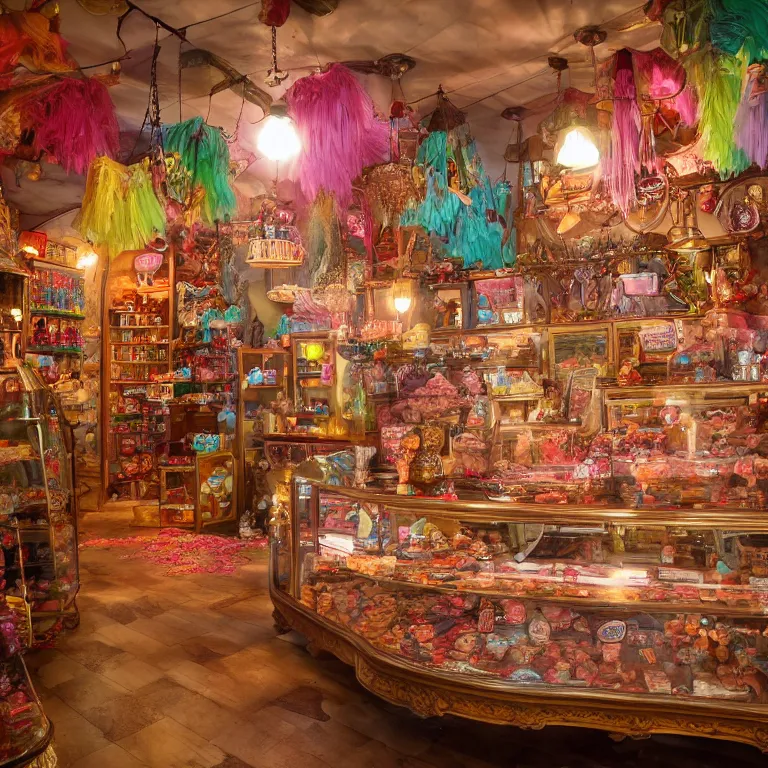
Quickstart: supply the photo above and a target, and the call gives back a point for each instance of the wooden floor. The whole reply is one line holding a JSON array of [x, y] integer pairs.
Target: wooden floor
[[187, 672]]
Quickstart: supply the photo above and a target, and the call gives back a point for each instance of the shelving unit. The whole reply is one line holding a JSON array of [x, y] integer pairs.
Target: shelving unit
[[57, 304], [136, 369], [314, 396], [255, 420]]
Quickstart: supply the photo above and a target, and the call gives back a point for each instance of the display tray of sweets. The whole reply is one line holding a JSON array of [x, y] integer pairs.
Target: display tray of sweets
[[527, 643]]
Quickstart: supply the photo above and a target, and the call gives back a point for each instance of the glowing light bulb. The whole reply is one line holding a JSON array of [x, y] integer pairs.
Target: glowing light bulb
[[87, 259], [31, 250], [16, 314], [402, 303], [402, 292], [278, 139], [578, 150]]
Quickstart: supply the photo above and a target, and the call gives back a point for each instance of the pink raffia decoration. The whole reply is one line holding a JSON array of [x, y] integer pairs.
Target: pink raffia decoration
[[74, 122], [752, 117], [182, 552], [624, 158], [687, 105], [340, 133]]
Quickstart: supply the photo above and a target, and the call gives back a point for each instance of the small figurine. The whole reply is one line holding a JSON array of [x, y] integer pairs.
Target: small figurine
[[628, 376], [256, 333]]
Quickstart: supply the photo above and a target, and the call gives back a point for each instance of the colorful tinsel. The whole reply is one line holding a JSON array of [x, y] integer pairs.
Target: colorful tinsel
[[74, 122], [205, 154], [119, 209], [340, 133], [624, 157]]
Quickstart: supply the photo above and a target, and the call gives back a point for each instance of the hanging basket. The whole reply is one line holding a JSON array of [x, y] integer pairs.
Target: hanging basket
[[275, 253]]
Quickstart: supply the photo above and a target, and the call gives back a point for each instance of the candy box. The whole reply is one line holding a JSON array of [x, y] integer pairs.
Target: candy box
[[752, 554]]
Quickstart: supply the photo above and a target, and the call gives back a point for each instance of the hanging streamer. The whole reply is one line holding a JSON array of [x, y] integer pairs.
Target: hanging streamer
[[752, 117], [74, 122], [205, 154], [718, 78], [623, 161], [119, 209], [340, 133]]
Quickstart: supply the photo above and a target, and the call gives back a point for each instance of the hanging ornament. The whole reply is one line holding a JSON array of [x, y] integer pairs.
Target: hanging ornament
[[74, 122], [623, 161], [718, 79], [204, 153], [274, 13], [119, 209], [752, 117], [339, 131]]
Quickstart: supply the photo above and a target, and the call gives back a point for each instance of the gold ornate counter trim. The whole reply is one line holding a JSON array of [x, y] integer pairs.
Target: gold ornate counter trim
[[725, 518], [46, 760], [431, 695]]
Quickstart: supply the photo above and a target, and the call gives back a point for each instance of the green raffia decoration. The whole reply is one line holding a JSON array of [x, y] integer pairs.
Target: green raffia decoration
[[119, 210], [205, 154], [718, 78]]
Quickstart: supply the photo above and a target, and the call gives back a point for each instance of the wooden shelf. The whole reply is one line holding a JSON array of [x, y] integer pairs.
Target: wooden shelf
[[55, 266], [658, 391], [136, 327], [54, 350], [140, 362], [50, 312]]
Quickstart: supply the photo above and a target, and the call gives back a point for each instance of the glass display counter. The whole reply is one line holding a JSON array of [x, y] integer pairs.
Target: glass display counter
[[37, 516], [632, 620]]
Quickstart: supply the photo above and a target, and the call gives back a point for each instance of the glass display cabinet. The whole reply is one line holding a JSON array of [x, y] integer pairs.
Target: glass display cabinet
[[38, 528], [634, 621], [37, 516]]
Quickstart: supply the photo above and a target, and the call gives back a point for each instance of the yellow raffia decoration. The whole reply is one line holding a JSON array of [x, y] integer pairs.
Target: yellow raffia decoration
[[120, 211]]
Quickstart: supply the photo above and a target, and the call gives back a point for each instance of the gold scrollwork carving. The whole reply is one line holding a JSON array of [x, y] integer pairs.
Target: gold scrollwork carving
[[429, 696]]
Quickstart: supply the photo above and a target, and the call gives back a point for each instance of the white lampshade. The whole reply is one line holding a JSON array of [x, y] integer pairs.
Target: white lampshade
[[578, 150], [278, 139]]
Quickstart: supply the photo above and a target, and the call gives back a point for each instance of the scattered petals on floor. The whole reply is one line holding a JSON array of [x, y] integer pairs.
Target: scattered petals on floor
[[182, 552]]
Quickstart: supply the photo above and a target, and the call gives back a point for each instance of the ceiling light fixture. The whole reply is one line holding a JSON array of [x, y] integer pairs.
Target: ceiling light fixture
[[578, 149], [275, 75], [278, 140]]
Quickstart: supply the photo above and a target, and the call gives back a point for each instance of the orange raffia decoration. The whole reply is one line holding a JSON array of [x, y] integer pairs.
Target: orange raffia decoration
[[26, 38]]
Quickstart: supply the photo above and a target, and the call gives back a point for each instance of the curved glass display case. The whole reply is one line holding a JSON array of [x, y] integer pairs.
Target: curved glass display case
[[37, 518], [633, 620]]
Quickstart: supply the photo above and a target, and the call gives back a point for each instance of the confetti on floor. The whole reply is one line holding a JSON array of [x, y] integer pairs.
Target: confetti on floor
[[182, 552]]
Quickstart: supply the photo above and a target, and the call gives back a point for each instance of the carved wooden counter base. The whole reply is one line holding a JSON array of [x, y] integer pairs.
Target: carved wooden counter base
[[429, 693]]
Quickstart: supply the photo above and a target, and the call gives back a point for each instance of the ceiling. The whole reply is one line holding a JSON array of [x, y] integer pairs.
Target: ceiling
[[494, 50]]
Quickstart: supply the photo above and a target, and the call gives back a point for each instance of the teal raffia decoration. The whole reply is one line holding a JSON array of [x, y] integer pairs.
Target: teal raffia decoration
[[466, 228], [205, 154], [718, 78], [740, 27]]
